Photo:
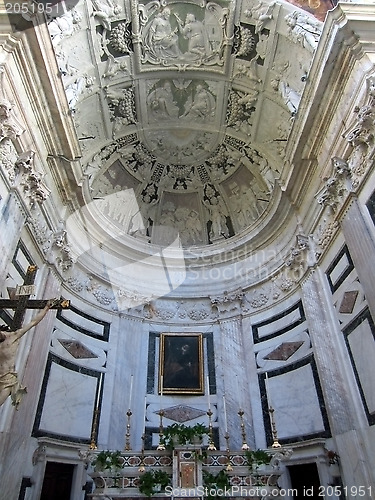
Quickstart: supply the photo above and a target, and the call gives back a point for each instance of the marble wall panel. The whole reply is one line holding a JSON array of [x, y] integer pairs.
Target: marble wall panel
[[357, 326], [371, 206], [66, 407], [84, 323], [360, 339], [280, 323], [296, 397], [339, 269]]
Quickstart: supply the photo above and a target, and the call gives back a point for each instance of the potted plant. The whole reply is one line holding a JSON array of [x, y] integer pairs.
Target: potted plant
[[108, 460], [153, 481], [182, 435], [256, 459], [214, 482]]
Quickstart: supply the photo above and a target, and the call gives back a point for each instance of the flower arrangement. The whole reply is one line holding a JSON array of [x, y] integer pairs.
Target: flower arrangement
[[153, 481], [181, 434], [256, 458], [107, 459], [215, 482]]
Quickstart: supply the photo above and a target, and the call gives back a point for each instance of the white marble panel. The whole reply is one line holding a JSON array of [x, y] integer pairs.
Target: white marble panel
[[69, 403], [79, 320], [22, 260], [362, 345], [280, 323], [339, 269], [294, 397]]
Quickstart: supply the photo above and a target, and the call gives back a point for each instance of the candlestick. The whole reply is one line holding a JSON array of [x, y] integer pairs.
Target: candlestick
[[99, 390], [275, 443], [211, 445], [225, 415], [127, 435], [244, 446], [268, 391], [161, 445], [144, 413], [208, 392], [131, 391], [142, 464]]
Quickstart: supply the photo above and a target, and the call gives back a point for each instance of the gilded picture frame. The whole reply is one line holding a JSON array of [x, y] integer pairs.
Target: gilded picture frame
[[181, 364]]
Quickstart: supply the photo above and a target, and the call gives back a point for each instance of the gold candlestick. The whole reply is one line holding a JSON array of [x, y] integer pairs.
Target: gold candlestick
[[275, 443], [142, 464], [127, 435], [94, 430], [211, 446], [244, 446], [229, 467], [161, 446]]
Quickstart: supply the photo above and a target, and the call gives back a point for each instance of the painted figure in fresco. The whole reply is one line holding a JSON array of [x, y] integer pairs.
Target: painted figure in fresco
[[161, 40], [9, 341]]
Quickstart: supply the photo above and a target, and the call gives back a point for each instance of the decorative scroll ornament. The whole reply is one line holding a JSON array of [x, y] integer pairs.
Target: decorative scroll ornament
[[337, 185], [34, 190], [9, 128], [61, 248], [362, 136]]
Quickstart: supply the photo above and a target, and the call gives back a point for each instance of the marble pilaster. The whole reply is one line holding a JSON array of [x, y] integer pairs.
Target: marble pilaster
[[340, 397], [360, 239], [234, 369]]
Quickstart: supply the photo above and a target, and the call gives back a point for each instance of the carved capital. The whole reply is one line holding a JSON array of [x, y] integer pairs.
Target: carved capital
[[229, 303]]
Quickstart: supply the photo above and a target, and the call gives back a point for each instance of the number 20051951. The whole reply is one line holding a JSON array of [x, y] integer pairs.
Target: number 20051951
[[28, 7]]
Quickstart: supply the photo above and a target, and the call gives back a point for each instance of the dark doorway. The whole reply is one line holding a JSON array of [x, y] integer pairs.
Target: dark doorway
[[305, 480], [57, 482]]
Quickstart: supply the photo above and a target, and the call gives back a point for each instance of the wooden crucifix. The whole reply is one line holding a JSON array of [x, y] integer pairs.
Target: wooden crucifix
[[23, 302], [10, 336]]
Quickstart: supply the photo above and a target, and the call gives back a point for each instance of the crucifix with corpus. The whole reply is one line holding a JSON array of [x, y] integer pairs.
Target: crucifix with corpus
[[11, 335]]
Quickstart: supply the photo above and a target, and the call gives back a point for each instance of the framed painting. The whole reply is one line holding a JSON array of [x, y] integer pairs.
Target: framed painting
[[181, 364]]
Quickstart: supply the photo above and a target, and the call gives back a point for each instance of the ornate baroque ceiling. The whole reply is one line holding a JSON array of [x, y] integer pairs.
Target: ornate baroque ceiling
[[183, 110]]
